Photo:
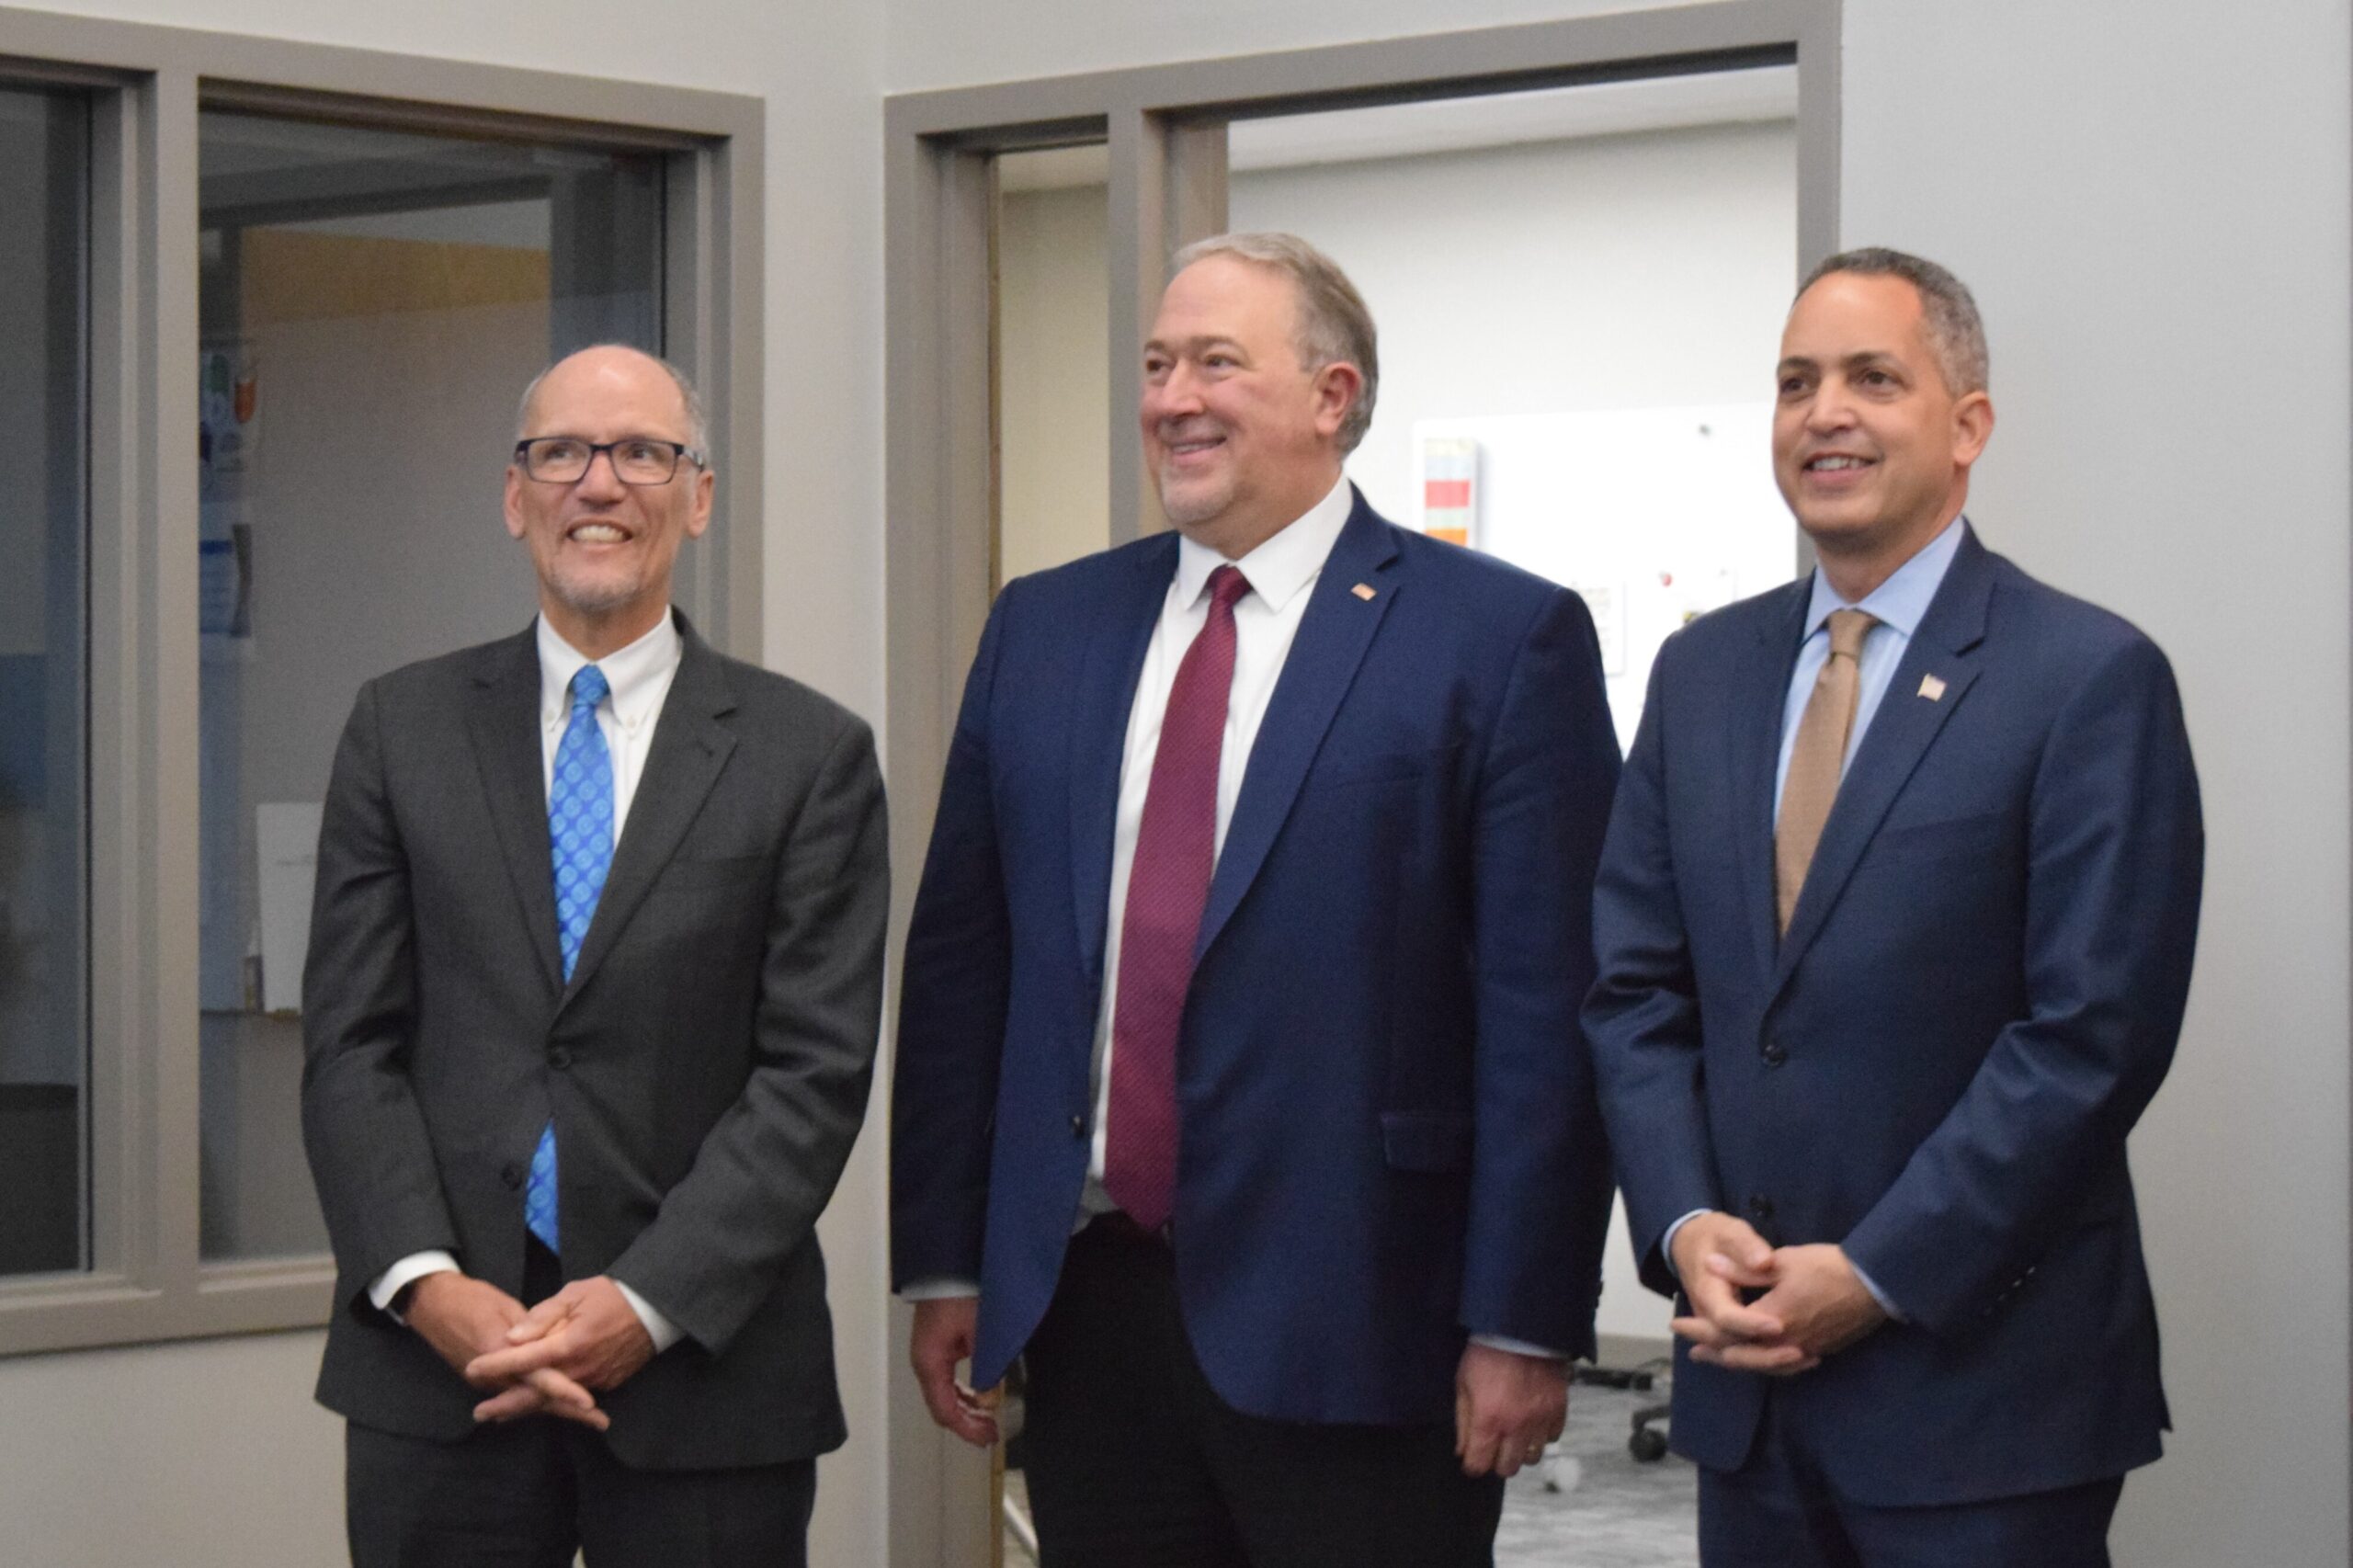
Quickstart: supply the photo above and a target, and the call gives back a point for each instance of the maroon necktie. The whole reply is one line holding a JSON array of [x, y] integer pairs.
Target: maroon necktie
[[1167, 887]]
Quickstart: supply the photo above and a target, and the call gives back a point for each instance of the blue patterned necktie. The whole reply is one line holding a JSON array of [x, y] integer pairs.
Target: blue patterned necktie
[[580, 829]]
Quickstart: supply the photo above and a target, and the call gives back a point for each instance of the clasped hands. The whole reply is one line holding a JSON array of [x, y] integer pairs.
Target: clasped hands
[[550, 1360], [1809, 1303]]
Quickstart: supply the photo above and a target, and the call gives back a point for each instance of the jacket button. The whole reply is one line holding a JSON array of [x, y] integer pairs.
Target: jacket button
[[1760, 1209], [512, 1176], [560, 1059], [1078, 1127], [1774, 1054]]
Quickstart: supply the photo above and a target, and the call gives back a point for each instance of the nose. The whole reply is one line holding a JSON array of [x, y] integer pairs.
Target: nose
[[609, 484], [1831, 408], [1175, 394]]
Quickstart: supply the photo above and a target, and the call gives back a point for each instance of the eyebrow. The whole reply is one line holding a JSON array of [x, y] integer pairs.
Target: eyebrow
[[1206, 341], [1853, 361]]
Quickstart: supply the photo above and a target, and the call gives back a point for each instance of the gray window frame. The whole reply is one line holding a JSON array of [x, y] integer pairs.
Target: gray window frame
[[1165, 129], [147, 84]]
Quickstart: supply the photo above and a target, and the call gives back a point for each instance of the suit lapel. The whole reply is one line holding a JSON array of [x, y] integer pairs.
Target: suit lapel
[[1098, 732], [1334, 632], [1757, 756], [1905, 725], [690, 746], [504, 729]]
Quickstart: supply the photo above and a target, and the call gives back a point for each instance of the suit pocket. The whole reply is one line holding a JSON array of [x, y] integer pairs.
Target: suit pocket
[[1375, 767], [681, 875], [1425, 1140], [1945, 839]]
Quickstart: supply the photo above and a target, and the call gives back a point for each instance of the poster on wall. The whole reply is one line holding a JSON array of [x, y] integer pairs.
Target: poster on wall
[[1655, 515], [229, 408], [228, 443], [1450, 488]]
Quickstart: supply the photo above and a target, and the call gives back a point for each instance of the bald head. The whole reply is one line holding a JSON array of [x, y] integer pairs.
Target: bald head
[[620, 360]]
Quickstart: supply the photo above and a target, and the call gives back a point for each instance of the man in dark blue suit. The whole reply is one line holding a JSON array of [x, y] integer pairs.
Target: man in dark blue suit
[[1895, 927], [1238, 1084]]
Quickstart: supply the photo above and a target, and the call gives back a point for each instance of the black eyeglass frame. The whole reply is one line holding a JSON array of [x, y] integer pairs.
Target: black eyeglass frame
[[679, 450]]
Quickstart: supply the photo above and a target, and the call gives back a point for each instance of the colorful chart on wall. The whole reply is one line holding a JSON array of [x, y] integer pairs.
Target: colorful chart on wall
[[1655, 515]]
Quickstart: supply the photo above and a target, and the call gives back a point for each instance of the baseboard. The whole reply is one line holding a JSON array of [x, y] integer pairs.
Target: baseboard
[[1632, 1349]]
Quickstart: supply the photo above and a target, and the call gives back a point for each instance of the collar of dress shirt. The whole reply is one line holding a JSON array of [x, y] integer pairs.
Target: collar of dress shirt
[[1279, 568], [634, 673], [1902, 599]]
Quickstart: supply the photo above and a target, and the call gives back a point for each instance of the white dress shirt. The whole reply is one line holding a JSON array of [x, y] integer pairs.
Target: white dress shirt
[[1896, 607], [638, 676]]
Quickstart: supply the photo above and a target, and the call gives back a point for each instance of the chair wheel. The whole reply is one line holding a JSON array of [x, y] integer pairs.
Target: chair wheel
[[1646, 1445]]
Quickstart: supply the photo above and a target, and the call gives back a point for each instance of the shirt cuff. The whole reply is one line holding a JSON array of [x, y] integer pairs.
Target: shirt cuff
[[1518, 1348], [389, 1285], [664, 1333], [1886, 1303], [946, 1290], [1666, 1243]]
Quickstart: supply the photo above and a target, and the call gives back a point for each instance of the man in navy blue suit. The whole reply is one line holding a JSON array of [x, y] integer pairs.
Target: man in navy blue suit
[[1894, 927], [1238, 1083]]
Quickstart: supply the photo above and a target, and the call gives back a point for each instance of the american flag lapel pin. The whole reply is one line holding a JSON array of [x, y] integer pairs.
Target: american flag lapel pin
[[1363, 591], [1932, 689]]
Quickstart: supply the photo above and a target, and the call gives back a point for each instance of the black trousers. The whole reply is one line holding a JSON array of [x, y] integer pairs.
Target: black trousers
[[530, 1494], [1135, 1462], [1779, 1511]]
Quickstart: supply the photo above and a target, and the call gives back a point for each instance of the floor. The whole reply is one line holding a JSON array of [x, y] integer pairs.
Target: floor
[[1609, 1511]]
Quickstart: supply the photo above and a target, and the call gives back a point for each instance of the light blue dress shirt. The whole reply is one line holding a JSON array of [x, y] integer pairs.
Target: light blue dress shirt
[[1897, 606]]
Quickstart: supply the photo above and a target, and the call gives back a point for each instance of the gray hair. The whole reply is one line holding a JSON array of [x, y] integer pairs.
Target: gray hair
[[1955, 330], [1334, 326], [697, 421]]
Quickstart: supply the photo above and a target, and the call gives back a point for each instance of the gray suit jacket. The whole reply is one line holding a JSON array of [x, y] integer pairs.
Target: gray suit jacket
[[706, 1066]]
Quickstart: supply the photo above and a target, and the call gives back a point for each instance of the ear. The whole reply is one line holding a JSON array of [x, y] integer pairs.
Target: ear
[[1337, 388], [1972, 427], [699, 515], [514, 501]]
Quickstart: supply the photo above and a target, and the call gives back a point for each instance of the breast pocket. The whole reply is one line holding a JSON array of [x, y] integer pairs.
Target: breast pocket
[[1425, 1140], [1406, 764], [691, 876], [1947, 838]]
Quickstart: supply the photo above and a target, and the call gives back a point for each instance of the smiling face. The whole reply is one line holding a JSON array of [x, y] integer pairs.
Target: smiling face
[[604, 550], [1871, 449], [1241, 436]]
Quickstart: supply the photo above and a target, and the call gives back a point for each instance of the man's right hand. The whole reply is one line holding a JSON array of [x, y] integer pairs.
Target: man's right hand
[[945, 1329], [461, 1318], [1716, 1257]]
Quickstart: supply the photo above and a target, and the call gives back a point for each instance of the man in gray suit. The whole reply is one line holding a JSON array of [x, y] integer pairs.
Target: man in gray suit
[[589, 1022]]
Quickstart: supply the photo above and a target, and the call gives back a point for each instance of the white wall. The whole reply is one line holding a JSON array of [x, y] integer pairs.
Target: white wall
[[1641, 271], [171, 1455]]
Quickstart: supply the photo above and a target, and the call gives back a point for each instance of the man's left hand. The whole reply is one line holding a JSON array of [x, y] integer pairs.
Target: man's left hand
[[1823, 1306], [1507, 1408], [587, 1330]]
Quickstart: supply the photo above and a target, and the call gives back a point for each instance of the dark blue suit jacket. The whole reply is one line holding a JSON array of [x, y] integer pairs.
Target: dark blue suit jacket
[[1389, 1132], [1979, 991]]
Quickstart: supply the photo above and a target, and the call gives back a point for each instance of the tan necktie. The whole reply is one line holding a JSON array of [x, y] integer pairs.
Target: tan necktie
[[1817, 758]]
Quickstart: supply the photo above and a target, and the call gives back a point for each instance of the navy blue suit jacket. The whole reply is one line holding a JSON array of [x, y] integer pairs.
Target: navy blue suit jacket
[[1389, 1132], [1979, 991]]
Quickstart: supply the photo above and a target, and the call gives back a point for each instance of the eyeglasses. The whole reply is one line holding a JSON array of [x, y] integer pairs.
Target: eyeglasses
[[637, 459]]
